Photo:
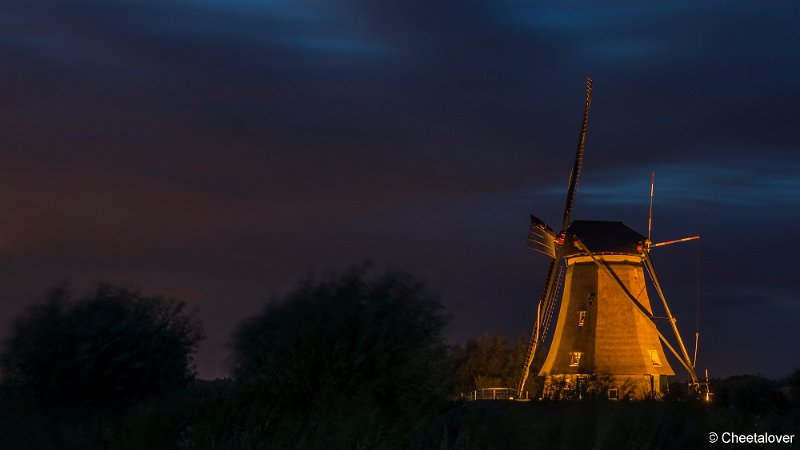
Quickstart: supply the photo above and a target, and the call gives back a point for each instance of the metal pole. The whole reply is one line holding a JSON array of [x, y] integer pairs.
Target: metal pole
[[672, 321]]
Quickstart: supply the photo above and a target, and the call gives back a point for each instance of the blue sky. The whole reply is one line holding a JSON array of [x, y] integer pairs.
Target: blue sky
[[217, 151]]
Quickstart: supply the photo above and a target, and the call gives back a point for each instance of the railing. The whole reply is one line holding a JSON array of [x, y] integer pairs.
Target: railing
[[494, 393]]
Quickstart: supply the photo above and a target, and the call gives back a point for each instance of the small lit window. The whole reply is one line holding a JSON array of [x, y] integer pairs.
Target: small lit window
[[575, 358], [581, 318], [654, 358]]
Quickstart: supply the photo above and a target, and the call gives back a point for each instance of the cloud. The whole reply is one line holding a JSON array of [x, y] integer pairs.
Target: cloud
[[264, 138], [762, 187]]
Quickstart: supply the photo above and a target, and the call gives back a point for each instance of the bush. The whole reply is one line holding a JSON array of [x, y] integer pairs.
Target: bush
[[350, 361], [104, 352]]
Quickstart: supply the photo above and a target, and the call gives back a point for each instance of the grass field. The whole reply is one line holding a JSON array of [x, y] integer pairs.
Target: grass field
[[210, 416]]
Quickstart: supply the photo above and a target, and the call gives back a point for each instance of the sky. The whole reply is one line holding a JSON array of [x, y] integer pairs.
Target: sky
[[220, 151]]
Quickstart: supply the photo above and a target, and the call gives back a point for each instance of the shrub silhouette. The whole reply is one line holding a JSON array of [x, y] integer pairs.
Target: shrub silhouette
[[349, 361], [104, 352]]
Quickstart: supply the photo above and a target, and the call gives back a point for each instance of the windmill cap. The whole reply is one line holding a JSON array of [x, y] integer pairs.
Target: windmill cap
[[602, 237]]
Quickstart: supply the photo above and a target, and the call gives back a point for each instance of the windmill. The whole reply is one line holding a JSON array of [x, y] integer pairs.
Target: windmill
[[605, 340]]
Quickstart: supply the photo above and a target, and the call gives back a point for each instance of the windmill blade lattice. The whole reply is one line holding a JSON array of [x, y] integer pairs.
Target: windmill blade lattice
[[546, 302]]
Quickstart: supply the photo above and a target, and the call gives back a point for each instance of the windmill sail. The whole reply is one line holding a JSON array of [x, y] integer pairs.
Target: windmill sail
[[538, 226], [575, 175], [541, 238]]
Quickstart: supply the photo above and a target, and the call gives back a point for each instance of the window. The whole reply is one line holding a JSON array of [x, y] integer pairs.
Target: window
[[575, 358], [654, 358], [581, 318], [613, 394]]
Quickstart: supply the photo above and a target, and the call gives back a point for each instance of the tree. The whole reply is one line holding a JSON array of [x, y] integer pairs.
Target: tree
[[488, 361], [347, 361], [105, 351], [793, 382], [745, 393]]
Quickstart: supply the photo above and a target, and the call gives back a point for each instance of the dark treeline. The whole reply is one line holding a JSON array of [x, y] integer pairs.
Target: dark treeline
[[349, 360]]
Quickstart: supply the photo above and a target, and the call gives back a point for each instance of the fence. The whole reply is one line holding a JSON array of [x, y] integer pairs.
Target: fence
[[494, 393]]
